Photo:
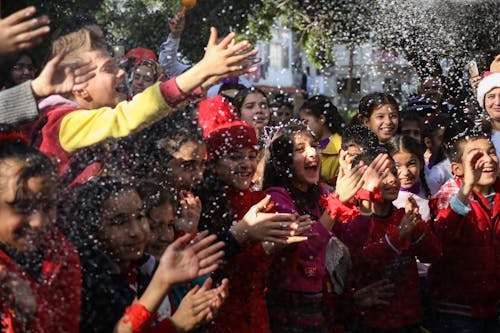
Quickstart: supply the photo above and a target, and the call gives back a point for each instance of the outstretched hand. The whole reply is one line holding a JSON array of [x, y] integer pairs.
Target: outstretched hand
[[376, 172], [410, 220], [280, 228], [20, 31], [57, 78], [190, 212], [351, 182], [176, 25], [186, 259]]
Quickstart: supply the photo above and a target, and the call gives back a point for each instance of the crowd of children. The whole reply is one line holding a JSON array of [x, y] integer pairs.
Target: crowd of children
[[158, 209]]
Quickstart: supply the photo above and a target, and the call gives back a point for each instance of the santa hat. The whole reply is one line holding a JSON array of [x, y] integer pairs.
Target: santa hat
[[223, 132], [487, 84], [140, 54]]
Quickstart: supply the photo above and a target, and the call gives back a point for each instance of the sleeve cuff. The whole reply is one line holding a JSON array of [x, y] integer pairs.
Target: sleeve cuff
[[173, 95], [392, 239], [459, 207]]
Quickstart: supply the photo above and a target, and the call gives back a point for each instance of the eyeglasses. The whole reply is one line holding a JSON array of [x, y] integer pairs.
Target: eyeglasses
[[22, 67]]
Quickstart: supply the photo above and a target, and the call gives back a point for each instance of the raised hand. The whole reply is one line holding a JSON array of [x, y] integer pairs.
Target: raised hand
[[190, 212], [410, 220], [57, 78], [272, 227], [351, 182], [186, 259], [176, 25], [375, 294], [376, 172], [20, 31], [199, 305]]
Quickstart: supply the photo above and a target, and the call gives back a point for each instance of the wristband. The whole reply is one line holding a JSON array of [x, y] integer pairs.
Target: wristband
[[138, 316], [373, 196], [337, 209]]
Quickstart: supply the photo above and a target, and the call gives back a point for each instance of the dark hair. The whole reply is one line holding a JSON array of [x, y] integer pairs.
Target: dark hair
[[373, 101], [407, 144], [320, 105], [73, 24], [82, 223], [7, 65], [414, 117], [279, 171], [36, 164], [239, 99], [282, 100], [459, 132], [359, 135], [430, 128], [154, 195], [368, 156]]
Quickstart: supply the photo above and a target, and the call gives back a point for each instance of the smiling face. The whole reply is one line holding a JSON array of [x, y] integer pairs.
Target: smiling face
[[317, 125], [25, 218], [124, 230], [144, 76], [492, 104], [23, 70], [161, 226], [107, 87], [408, 166], [237, 168], [383, 121], [487, 163], [255, 110], [390, 185], [306, 163], [185, 169]]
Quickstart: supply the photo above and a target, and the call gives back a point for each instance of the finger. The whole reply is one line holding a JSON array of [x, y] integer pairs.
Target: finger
[[261, 205], [200, 236], [210, 251], [209, 269], [234, 60], [207, 284], [29, 44], [182, 241], [20, 15], [84, 78], [296, 239], [213, 37], [227, 40], [193, 291], [30, 25], [31, 36], [279, 217]]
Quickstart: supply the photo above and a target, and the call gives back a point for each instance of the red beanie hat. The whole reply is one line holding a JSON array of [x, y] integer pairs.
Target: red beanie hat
[[141, 54], [223, 132]]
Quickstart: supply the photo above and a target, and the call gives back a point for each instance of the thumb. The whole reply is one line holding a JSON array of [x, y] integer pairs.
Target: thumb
[[213, 37], [56, 60], [261, 205]]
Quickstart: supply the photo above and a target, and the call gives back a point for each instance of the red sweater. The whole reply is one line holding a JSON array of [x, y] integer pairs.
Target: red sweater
[[466, 279], [245, 309], [377, 253], [58, 293]]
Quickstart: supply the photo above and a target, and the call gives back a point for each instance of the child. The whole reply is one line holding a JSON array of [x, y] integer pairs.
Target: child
[[92, 114], [355, 140], [282, 109], [412, 124], [233, 211], [253, 107], [408, 155], [380, 113], [438, 168], [488, 96], [464, 283], [33, 252], [384, 242], [112, 231], [323, 119], [296, 276]]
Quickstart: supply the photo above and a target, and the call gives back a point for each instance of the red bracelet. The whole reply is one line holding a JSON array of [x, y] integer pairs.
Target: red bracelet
[[138, 316], [337, 209]]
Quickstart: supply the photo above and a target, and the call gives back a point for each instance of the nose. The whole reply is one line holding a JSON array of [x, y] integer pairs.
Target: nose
[[135, 229], [167, 234], [390, 178], [36, 220]]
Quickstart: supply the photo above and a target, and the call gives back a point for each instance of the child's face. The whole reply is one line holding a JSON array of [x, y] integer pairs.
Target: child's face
[[435, 142], [237, 168], [161, 226], [144, 76], [25, 221], [383, 121], [255, 110], [306, 161], [488, 160], [408, 167], [492, 103], [315, 124], [106, 88], [282, 115], [124, 229], [411, 129], [185, 169], [390, 185]]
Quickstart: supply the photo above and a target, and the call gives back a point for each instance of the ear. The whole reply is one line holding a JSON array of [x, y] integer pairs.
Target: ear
[[428, 142], [322, 119], [364, 120], [457, 169]]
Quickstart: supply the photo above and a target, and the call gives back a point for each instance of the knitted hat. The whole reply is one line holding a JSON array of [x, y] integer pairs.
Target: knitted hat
[[223, 132], [487, 84]]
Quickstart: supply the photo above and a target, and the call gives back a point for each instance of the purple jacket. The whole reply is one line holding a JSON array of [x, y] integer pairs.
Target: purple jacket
[[300, 267]]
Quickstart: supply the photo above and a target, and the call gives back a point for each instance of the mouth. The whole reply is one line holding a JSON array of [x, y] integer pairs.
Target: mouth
[[312, 166], [489, 170], [121, 89]]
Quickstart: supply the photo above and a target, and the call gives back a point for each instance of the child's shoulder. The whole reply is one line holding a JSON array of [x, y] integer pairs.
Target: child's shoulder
[[282, 199]]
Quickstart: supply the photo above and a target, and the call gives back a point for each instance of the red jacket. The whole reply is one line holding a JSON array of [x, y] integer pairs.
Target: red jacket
[[377, 253], [245, 309], [467, 277], [58, 293]]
